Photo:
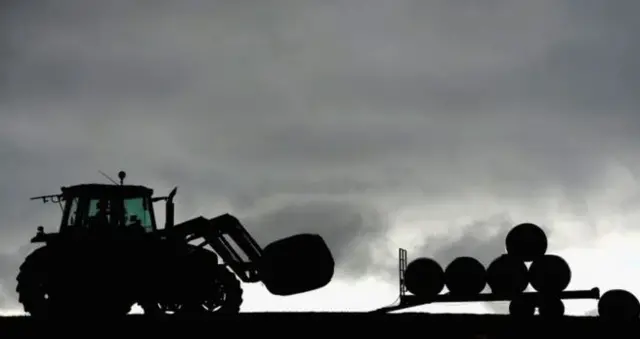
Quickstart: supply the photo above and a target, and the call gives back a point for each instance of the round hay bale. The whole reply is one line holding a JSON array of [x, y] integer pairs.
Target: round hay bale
[[618, 305], [424, 277], [549, 274], [507, 276], [465, 276], [526, 241], [551, 307], [296, 264]]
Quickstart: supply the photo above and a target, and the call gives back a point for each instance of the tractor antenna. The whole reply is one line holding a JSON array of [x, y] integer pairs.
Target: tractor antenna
[[108, 177]]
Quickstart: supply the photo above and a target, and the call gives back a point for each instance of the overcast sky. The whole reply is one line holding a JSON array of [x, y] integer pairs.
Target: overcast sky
[[428, 125]]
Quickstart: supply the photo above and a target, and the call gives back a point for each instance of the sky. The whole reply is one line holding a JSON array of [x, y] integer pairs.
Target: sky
[[433, 126]]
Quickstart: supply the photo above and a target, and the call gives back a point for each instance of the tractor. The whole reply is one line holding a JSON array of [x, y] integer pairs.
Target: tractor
[[109, 255]]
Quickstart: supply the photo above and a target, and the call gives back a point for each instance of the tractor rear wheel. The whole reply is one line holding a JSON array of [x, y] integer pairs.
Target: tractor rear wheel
[[50, 286], [33, 290]]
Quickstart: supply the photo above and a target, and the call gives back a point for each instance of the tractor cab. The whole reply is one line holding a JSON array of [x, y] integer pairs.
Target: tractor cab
[[92, 206], [100, 205]]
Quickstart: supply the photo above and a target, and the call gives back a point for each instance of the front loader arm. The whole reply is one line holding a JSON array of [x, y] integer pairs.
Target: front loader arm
[[221, 233]]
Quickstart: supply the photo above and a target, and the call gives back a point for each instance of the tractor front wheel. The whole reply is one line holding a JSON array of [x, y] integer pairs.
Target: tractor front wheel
[[226, 294], [220, 294]]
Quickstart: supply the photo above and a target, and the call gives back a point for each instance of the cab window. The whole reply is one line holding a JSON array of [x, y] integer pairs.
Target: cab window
[[137, 211], [99, 210], [73, 212]]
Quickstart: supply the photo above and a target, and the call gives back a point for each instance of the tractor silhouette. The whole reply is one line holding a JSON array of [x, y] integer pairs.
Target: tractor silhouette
[[109, 254]]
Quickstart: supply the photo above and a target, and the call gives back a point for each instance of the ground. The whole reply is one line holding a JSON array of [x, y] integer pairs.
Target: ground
[[299, 325]]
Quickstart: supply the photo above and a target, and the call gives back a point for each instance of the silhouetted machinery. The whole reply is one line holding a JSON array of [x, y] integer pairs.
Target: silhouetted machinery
[[507, 277], [109, 255]]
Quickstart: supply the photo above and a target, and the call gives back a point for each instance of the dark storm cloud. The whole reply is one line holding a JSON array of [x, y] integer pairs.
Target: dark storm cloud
[[342, 112], [483, 240]]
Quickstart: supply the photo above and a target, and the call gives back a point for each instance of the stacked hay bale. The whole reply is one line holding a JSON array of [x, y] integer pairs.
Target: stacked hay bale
[[424, 278], [548, 274], [508, 277], [465, 277]]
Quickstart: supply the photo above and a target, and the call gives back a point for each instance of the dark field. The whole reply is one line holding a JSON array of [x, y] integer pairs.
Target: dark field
[[336, 325]]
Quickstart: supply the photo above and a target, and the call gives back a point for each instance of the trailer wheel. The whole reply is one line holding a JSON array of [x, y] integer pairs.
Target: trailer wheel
[[521, 307], [551, 307]]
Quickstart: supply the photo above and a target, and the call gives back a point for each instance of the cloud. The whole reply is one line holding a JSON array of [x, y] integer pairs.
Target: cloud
[[350, 230], [483, 240], [450, 112]]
